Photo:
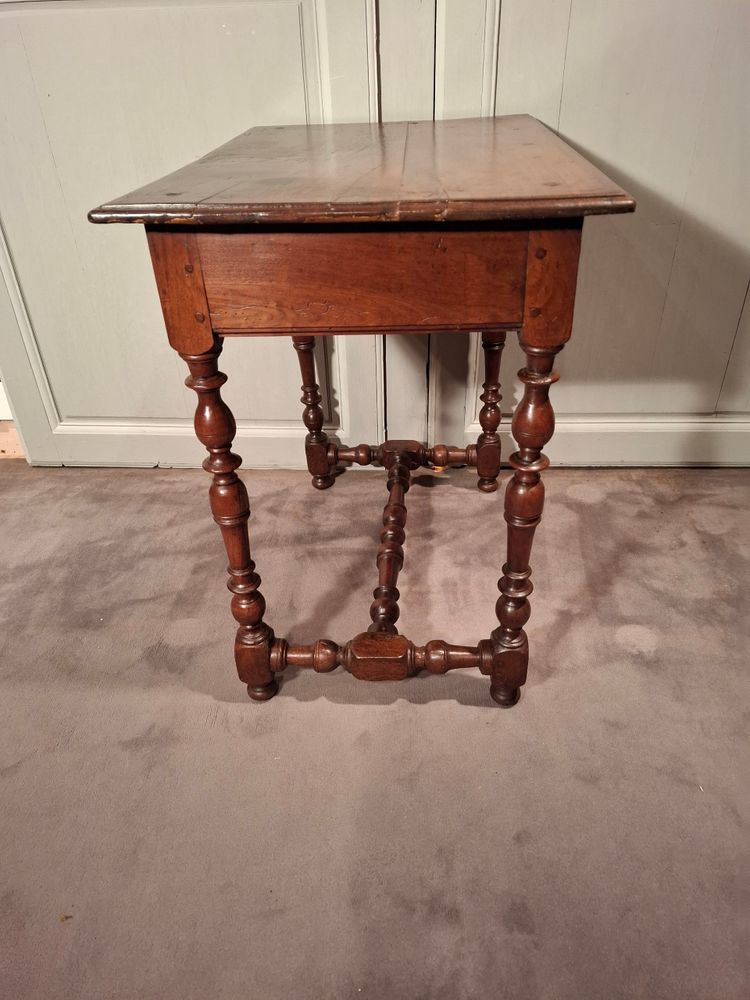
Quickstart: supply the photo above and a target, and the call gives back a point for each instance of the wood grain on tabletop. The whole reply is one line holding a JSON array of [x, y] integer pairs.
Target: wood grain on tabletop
[[511, 167]]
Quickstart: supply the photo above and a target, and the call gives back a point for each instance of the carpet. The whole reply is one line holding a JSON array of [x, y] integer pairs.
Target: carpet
[[163, 837]]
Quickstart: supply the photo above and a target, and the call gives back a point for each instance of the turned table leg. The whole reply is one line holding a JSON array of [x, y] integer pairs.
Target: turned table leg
[[215, 428], [488, 442], [533, 424], [316, 442], [551, 271]]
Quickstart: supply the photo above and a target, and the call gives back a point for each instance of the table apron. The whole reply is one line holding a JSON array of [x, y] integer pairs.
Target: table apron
[[325, 282]]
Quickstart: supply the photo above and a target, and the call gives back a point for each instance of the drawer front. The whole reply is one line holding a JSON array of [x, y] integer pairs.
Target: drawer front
[[363, 281]]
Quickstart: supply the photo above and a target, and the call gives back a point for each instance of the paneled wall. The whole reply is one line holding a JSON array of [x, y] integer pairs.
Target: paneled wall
[[99, 96], [658, 369]]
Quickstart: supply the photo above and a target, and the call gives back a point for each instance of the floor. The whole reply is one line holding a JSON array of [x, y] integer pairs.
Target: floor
[[10, 443], [163, 837]]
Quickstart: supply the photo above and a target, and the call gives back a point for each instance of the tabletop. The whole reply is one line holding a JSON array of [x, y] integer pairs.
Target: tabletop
[[465, 169]]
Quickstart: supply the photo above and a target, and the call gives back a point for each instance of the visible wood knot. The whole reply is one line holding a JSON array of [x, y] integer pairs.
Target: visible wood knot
[[200, 317], [541, 253], [535, 312]]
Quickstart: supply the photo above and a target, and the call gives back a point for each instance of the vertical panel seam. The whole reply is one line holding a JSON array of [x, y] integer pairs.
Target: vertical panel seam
[[320, 31], [378, 67], [565, 63], [731, 349], [496, 14], [427, 394], [434, 57], [379, 105]]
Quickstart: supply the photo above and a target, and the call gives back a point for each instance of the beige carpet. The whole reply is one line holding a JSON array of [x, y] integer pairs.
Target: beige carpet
[[162, 837]]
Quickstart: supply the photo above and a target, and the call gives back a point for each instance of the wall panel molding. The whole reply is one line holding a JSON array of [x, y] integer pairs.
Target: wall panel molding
[[26, 332]]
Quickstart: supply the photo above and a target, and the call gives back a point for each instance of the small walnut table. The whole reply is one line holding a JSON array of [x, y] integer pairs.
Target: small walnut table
[[472, 224]]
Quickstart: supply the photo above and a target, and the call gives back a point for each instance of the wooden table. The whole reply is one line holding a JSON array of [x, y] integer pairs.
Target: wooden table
[[472, 224]]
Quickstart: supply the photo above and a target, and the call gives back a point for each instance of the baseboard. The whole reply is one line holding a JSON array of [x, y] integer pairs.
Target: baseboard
[[578, 441], [173, 445], [722, 440]]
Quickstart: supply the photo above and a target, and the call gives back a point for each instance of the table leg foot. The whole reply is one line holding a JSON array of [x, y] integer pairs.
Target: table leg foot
[[504, 695], [487, 485], [508, 665], [263, 692], [323, 482]]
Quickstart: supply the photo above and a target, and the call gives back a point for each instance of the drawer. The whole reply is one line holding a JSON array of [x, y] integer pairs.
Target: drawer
[[363, 281]]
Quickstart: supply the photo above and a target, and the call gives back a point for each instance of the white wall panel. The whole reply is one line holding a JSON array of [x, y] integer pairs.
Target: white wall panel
[[650, 65], [531, 61], [407, 58], [99, 99], [711, 266], [656, 94], [466, 50]]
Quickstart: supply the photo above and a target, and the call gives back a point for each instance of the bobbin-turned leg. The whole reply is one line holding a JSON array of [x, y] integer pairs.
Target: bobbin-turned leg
[[488, 442], [533, 424], [384, 610], [316, 442], [215, 428]]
